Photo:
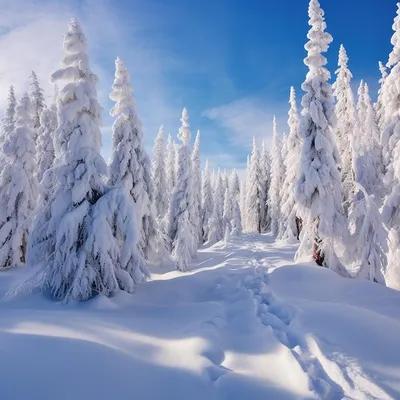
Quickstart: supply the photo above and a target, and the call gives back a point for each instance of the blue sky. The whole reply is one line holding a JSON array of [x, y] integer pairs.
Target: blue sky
[[230, 62]]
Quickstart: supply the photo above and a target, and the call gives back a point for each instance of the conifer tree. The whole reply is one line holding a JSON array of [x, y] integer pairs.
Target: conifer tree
[[345, 127], [243, 195], [170, 165], [319, 183], [265, 184], [215, 223], [288, 203], [206, 202], [253, 188], [8, 122], [196, 165], [182, 232], [277, 175], [86, 234], [391, 156], [234, 194], [379, 109], [18, 187], [159, 176], [130, 164], [37, 99]]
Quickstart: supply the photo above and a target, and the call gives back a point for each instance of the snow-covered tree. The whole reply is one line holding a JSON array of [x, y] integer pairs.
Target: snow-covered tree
[[227, 211], [265, 171], [18, 187], [8, 122], [371, 240], [243, 195], [367, 158], [253, 195], [170, 165], [319, 183], [181, 231], [379, 108], [196, 165], [130, 163], [288, 203], [158, 172], [277, 176], [215, 223], [391, 103], [206, 202], [37, 99], [45, 153], [346, 125], [234, 193], [86, 234]]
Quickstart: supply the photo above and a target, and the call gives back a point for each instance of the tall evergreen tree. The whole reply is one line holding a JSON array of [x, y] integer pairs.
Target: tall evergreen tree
[[346, 124], [288, 203], [158, 172], [391, 156], [86, 233], [277, 175], [206, 202], [319, 183], [170, 166], [253, 188], [196, 165], [182, 232], [37, 99], [379, 109], [18, 187], [8, 122], [265, 170], [130, 164], [234, 194], [215, 224]]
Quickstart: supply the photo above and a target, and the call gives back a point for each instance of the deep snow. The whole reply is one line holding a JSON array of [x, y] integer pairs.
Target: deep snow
[[244, 323]]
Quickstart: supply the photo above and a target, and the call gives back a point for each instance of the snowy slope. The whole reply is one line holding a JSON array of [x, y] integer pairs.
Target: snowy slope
[[245, 323]]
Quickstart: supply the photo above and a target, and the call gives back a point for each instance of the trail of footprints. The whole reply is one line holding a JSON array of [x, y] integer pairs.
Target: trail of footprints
[[278, 316]]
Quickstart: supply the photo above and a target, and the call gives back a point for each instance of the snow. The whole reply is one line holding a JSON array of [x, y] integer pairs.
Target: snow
[[243, 322]]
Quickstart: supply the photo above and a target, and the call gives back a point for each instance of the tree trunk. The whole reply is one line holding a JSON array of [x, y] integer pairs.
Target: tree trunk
[[318, 255]]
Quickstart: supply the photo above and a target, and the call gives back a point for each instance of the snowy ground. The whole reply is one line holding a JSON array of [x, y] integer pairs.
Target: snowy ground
[[245, 323]]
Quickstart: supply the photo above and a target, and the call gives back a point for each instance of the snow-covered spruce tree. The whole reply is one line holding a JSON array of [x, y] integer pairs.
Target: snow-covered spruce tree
[[130, 164], [8, 122], [37, 99], [181, 231], [215, 223], [391, 156], [265, 183], [288, 203], [371, 240], [206, 202], [227, 211], [171, 164], [282, 225], [253, 196], [391, 103], [277, 175], [45, 153], [197, 200], [243, 195], [367, 158], [234, 193], [318, 189], [379, 108], [158, 173], [18, 187], [345, 127], [87, 232]]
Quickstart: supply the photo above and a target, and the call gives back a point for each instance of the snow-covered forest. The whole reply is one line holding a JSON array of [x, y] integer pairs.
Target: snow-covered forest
[[74, 226]]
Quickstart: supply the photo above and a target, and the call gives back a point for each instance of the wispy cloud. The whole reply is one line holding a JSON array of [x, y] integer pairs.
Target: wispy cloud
[[247, 118]]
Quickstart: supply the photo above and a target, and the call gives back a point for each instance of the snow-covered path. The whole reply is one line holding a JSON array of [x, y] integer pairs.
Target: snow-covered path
[[245, 323]]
